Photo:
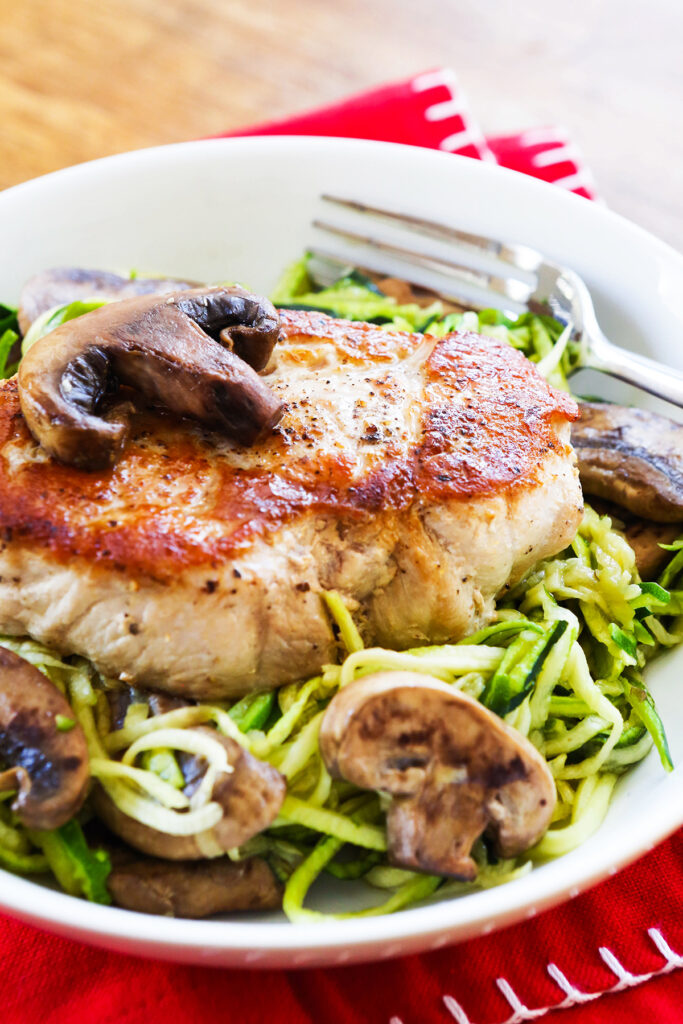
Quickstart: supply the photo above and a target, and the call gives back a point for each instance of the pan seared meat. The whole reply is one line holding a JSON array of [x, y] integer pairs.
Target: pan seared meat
[[417, 476]]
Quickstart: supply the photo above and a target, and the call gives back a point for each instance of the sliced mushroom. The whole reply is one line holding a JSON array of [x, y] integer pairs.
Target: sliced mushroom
[[633, 458], [453, 768], [251, 796], [49, 764], [68, 381], [61, 285], [195, 889]]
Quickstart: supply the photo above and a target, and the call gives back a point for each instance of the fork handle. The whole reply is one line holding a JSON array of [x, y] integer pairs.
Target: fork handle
[[662, 381]]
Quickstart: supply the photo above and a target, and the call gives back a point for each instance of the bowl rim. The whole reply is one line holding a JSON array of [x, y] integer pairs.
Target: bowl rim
[[321, 142]]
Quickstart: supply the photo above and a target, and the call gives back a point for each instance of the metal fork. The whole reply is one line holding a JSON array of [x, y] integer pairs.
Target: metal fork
[[526, 280]]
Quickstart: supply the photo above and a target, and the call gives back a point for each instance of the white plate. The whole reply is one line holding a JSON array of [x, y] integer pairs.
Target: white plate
[[241, 209]]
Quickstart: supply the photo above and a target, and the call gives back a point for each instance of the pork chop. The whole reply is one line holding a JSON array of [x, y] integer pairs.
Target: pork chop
[[417, 476]]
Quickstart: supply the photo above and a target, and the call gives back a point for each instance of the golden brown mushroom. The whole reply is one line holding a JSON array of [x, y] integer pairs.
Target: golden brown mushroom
[[43, 745], [169, 351], [452, 767]]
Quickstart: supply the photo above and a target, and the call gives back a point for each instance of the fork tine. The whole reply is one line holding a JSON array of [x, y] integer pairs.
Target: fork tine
[[376, 266], [509, 288], [521, 257]]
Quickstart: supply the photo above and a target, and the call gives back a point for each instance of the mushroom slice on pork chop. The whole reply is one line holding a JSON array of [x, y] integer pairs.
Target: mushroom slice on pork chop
[[454, 770], [250, 794], [43, 745], [631, 457], [195, 889], [170, 351]]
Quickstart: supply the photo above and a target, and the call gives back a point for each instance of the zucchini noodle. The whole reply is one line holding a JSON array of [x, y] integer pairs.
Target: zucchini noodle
[[590, 807], [181, 718], [158, 817], [297, 755], [195, 743], [104, 770], [332, 823], [444, 663], [562, 663], [348, 631]]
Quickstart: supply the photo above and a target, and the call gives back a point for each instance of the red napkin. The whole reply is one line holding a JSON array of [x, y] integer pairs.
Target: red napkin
[[610, 954], [589, 957], [431, 111]]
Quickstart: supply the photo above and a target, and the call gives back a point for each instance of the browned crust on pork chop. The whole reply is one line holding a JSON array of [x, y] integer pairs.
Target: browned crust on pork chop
[[374, 434]]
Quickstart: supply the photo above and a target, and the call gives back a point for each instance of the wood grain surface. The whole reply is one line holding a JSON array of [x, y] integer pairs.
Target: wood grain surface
[[85, 78]]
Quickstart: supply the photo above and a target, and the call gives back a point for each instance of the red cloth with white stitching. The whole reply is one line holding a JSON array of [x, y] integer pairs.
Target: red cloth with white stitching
[[430, 110], [626, 929], [48, 980]]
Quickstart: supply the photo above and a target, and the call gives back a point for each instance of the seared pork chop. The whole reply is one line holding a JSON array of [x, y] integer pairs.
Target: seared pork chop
[[417, 476]]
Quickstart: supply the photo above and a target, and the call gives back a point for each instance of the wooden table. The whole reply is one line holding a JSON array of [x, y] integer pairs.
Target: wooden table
[[84, 78]]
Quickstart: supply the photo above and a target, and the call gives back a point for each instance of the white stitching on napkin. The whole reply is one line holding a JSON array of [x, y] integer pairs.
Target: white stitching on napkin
[[432, 79], [673, 960], [454, 106], [626, 979], [582, 179], [561, 154], [522, 1012], [456, 1011], [554, 134], [458, 140], [573, 995], [561, 150], [442, 111]]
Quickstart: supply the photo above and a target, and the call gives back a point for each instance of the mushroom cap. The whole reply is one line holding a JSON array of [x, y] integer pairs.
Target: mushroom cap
[[631, 457], [154, 346], [453, 768], [50, 767], [251, 796], [61, 285], [195, 889]]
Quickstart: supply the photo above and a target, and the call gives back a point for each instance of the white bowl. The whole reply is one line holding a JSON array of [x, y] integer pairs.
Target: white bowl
[[240, 209]]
